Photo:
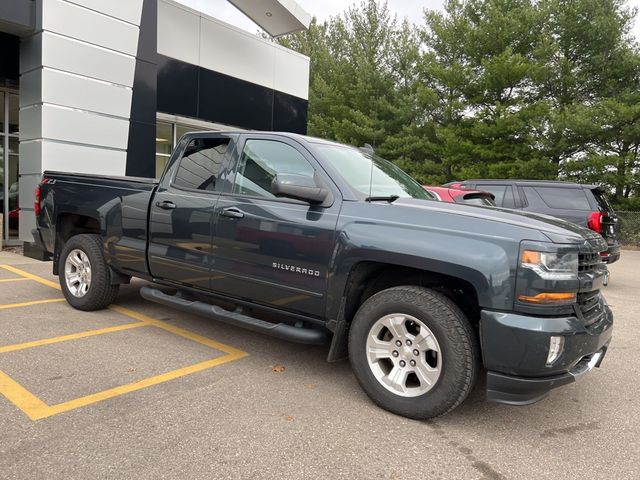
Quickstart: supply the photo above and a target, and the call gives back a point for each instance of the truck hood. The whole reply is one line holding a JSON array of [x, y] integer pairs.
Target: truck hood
[[557, 230]]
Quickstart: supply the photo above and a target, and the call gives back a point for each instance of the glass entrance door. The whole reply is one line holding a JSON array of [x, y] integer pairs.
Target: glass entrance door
[[9, 164]]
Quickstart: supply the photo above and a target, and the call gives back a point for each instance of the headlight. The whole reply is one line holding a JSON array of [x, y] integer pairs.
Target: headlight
[[551, 265]]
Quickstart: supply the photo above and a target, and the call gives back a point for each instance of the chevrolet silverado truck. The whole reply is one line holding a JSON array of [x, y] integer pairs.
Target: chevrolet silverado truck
[[316, 242]]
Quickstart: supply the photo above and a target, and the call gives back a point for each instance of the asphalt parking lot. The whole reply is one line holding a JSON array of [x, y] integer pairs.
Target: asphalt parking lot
[[142, 391]]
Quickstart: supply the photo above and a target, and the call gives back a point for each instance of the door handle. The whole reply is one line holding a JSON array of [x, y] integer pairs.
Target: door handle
[[232, 212], [166, 205]]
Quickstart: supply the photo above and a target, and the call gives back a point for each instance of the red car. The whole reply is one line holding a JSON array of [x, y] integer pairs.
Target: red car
[[462, 195]]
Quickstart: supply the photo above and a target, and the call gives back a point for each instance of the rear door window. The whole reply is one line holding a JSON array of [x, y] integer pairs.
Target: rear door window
[[509, 200], [498, 190], [564, 198], [201, 164]]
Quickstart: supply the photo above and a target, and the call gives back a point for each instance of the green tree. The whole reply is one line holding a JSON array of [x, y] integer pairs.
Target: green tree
[[593, 83], [362, 75]]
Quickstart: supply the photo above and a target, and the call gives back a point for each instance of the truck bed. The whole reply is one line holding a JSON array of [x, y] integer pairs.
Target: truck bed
[[121, 204]]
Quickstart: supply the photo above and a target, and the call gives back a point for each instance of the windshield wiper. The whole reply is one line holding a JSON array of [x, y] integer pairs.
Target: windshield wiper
[[390, 199]]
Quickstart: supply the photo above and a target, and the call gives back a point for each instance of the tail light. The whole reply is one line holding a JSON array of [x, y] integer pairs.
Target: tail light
[[594, 221], [36, 203], [38, 195]]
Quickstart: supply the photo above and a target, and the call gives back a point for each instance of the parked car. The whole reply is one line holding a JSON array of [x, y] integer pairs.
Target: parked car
[[331, 242], [584, 205], [462, 195]]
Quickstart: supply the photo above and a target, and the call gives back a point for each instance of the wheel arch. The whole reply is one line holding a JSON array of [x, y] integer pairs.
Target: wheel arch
[[71, 224], [366, 278]]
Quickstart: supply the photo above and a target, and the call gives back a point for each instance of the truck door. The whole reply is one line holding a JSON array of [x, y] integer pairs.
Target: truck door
[[181, 212], [269, 250]]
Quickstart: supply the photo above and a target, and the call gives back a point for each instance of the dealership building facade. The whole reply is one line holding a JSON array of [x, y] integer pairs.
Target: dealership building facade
[[108, 87]]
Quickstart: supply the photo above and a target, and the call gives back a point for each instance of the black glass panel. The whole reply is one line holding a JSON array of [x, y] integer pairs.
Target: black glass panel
[[289, 113], [177, 87], [228, 100]]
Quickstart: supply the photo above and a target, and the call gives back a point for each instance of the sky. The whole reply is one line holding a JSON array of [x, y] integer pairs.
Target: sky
[[323, 9]]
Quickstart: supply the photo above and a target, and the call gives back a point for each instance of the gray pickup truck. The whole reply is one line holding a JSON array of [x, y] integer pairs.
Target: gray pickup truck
[[313, 241]]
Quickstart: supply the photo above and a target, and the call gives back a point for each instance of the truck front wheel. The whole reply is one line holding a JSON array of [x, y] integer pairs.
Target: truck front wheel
[[84, 274], [413, 351]]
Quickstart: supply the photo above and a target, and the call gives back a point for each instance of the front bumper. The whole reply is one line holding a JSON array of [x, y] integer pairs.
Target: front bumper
[[515, 349]]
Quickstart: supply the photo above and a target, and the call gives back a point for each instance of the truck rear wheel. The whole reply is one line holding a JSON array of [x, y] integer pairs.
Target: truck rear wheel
[[413, 351], [84, 274]]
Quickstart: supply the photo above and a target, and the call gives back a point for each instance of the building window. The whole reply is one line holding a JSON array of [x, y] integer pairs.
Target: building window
[[9, 129], [164, 145]]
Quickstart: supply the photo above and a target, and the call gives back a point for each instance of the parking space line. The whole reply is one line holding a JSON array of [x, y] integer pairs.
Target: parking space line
[[19, 279], [179, 331], [36, 409], [31, 276], [28, 304], [26, 401], [139, 385], [73, 336]]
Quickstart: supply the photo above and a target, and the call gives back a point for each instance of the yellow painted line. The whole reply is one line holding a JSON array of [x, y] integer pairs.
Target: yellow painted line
[[132, 387], [72, 336], [28, 304], [31, 276], [179, 331], [36, 409], [20, 279], [23, 398]]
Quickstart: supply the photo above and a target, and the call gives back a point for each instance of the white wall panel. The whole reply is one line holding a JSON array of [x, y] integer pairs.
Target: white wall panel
[[27, 183], [83, 127], [30, 88], [233, 52], [70, 90], [74, 21], [30, 157], [291, 73], [82, 58], [82, 159], [36, 156], [127, 10], [27, 223], [30, 119], [178, 33]]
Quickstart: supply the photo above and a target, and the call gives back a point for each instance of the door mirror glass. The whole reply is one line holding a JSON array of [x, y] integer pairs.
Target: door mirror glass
[[300, 187]]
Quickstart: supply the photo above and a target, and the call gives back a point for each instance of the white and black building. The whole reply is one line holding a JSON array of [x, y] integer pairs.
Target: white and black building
[[107, 87]]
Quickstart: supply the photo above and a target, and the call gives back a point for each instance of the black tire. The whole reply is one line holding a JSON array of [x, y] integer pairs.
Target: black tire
[[100, 293], [453, 332]]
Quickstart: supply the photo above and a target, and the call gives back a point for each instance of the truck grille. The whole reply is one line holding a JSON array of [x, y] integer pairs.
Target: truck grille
[[587, 262], [590, 307]]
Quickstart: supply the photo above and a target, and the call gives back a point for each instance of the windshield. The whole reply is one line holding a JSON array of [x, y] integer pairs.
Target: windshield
[[371, 175]]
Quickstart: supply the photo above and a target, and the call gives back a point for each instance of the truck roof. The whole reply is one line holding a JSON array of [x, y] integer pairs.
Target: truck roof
[[296, 136]]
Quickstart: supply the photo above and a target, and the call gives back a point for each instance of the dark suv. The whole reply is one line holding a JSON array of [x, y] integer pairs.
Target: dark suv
[[584, 205]]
